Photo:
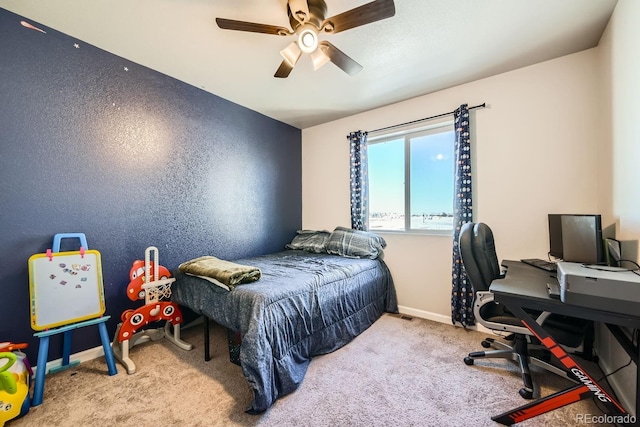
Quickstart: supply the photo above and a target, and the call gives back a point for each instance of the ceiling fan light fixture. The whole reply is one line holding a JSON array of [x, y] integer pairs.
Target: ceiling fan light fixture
[[319, 58], [291, 53], [308, 40]]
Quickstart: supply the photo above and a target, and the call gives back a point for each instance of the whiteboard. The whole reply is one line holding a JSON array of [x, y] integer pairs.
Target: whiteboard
[[64, 288]]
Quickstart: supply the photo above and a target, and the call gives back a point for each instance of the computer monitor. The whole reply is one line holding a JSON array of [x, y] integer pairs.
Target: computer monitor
[[579, 236], [555, 235]]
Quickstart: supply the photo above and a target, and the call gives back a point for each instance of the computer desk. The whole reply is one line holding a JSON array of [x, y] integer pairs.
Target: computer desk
[[525, 286]]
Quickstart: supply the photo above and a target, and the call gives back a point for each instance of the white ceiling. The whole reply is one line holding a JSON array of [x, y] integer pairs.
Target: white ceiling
[[427, 46]]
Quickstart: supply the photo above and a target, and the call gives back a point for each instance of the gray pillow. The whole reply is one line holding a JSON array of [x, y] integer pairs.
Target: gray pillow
[[310, 241], [355, 243]]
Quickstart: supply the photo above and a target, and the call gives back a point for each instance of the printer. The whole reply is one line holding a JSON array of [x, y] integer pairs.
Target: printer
[[604, 288]]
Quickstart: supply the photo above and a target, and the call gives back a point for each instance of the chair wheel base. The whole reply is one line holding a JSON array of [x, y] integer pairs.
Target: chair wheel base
[[468, 361], [526, 394], [486, 343]]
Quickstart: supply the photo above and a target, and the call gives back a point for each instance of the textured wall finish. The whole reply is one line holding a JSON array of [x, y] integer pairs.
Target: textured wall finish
[[92, 143]]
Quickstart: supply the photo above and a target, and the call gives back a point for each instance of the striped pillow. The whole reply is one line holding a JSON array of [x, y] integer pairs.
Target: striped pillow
[[355, 243], [310, 241]]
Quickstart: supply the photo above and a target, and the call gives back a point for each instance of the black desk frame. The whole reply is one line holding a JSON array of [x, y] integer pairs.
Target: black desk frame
[[525, 287]]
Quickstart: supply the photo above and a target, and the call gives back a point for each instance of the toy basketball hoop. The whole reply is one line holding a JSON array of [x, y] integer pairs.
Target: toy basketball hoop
[[152, 282]]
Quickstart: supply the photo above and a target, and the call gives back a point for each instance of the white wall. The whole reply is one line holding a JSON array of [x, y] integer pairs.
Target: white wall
[[620, 65], [620, 129], [535, 152]]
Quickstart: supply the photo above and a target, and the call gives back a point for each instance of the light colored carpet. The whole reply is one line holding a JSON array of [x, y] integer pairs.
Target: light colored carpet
[[397, 373]]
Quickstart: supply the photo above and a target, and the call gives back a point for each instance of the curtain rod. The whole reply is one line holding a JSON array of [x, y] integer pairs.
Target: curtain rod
[[424, 119]]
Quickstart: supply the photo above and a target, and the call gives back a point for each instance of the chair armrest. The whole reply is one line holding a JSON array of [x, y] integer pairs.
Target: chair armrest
[[483, 298]]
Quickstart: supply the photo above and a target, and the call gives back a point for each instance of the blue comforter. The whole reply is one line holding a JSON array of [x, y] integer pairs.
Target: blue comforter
[[304, 305]]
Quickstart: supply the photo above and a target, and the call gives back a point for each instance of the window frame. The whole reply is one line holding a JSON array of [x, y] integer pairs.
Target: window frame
[[441, 126]]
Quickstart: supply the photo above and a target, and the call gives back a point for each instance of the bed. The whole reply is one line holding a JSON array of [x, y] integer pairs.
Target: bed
[[307, 302]]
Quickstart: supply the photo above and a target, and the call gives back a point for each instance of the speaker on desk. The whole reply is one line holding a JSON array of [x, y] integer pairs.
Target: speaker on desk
[[613, 252]]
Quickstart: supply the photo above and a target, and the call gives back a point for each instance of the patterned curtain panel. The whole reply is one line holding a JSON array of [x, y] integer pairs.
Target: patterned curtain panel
[[462, 292], [359, 180]]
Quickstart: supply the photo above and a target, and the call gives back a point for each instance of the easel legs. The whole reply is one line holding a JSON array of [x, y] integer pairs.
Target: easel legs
[[38, 388], [43, 351], [106, 346]]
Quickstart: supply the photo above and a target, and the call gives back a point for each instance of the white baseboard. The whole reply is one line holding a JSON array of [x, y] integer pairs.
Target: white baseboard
[[83, 356], [439, 318], [424, 314]]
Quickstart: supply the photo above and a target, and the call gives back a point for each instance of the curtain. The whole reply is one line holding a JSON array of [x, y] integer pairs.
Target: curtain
[[359, 180], [462, 294]]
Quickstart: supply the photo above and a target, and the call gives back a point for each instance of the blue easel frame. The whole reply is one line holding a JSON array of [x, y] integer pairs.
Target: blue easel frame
[[43, 349]]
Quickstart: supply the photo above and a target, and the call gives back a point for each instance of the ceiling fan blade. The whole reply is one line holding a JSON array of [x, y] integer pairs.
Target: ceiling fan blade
[[230, 24], [291, 54], [299, 10], [341, 59], [365, 14], [319, 58], [283, 70]]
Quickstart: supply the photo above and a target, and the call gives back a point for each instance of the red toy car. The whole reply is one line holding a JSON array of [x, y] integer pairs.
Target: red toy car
[[137, 276]]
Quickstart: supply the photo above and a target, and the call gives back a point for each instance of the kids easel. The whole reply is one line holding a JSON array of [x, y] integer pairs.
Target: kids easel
[[57, 275]]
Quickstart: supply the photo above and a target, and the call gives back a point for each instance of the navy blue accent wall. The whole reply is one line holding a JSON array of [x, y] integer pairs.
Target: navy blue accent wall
[[92, 143]]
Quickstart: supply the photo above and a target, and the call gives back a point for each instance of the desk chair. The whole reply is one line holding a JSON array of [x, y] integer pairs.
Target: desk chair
[[477, 250]]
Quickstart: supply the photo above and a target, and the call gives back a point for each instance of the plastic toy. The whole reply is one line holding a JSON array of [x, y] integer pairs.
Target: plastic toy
[[7, 379], [138, 278], [150, 282], [9, 346], [15, 379]]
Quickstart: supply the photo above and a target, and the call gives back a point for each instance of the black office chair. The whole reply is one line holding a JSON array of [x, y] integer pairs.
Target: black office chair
[[478, 253]]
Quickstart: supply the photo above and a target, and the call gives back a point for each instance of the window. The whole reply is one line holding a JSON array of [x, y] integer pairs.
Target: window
[[411, 180]]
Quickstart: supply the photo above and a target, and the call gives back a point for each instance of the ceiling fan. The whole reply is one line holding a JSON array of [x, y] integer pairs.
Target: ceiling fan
[[307, 19]]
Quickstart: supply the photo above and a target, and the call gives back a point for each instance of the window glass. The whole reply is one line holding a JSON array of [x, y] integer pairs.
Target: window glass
[[411, 180], [386, 185]]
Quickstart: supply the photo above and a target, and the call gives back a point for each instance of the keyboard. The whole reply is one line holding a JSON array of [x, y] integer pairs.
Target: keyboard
[[540, 263]]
